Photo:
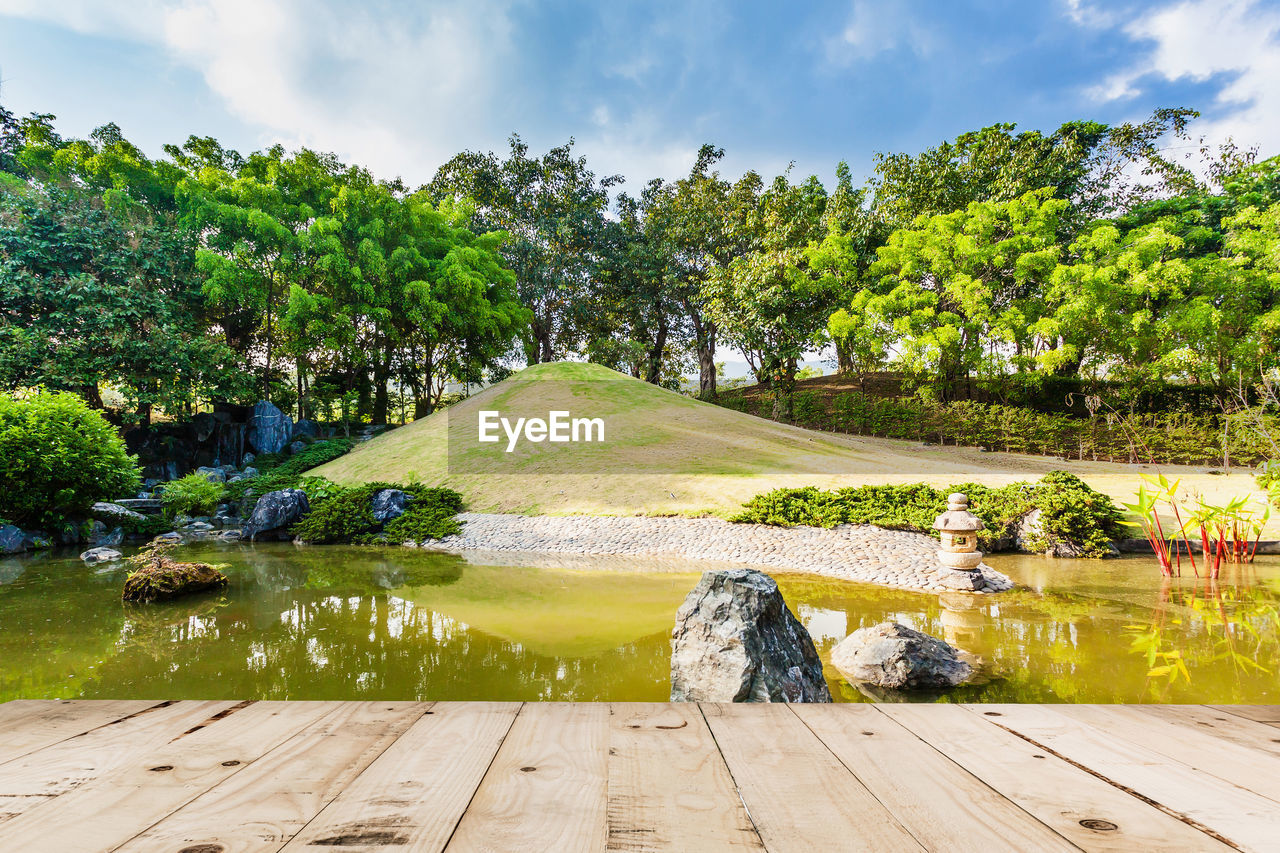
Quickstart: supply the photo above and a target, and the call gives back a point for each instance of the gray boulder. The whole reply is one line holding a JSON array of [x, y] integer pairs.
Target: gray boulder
[[248, 472], [388, 504], [12, 540], [114, 513], [305, 427], [269, 428], [275, 512], [102, 536], [736, 641], [214, 475], [896, 657], [100, 555], [297, 447]]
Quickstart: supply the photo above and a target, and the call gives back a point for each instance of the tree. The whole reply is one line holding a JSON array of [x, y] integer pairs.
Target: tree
[[552, 209], [90, 297], [960, 293], [768, 301]]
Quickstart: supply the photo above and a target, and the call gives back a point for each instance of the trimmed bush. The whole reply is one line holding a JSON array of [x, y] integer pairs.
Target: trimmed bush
[[277, 472], [194, 494], [57, 457], [1070, 511], [344, 514]]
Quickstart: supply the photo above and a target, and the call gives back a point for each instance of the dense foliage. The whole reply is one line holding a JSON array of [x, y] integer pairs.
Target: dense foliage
[[1070, 510], [345, 515], [1171, 437], [194, 494], [58, 457]]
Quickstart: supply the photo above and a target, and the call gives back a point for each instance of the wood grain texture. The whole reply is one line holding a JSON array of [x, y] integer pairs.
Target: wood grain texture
[[799, 795], [155, 780], [547, 787], [29, 725], [669, 788], [264, 805], [413, 795], [1258, 713], [1238, 730], [1068, 799], [940, 803], [34, 781], [1245, 818]]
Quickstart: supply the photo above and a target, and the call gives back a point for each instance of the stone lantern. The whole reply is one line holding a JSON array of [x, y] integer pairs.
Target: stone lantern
[[959, 554]]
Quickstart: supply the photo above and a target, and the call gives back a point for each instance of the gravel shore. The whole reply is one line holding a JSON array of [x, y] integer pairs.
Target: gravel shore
[[855, 552]]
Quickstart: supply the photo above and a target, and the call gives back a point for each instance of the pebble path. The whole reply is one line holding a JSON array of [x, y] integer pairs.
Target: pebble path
[[856, 552]]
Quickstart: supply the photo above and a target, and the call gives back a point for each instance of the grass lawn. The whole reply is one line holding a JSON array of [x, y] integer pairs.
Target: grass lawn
[[669, 454]]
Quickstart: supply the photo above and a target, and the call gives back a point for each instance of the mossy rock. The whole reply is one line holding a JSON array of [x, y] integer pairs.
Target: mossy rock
[[171, 580]]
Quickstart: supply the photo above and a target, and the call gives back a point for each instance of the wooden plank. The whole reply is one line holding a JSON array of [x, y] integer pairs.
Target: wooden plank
[[1063, 797], [1246, 767], [669, 788], [414, 794], [27, 725], [35, 780], [1221, 724], [942, 805], [1245, 818], [546, 789], [264, 805], [800, 797], [152, 783], [1269, 714]]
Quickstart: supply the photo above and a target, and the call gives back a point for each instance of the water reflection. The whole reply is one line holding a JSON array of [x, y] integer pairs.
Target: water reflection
[[353, 623]]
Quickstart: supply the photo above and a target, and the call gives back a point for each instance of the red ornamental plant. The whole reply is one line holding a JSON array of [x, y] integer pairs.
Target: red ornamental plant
[[1223, 534]]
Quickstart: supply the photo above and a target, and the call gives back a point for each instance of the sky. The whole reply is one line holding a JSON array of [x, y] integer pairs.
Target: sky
[[402, 86]]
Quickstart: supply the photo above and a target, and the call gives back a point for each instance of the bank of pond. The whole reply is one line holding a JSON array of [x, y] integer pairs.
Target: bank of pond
[[340, 622]]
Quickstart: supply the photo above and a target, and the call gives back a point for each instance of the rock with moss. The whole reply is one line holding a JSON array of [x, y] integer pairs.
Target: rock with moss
[[156, 576]]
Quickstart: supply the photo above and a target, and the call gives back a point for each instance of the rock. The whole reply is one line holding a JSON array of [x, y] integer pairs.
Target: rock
[[959, 579], [736, 641], [171, 538], [248, 457], [894, 656], [112, 512], [269, 428], [248, 472], [12, 540], [100, 555], [388, 504], [145, 506], [275, 512], [102, 536], [171, 580], [297, 447], [213, 475], [38, 540], [305, 427], [197, 526], [1029, 536]]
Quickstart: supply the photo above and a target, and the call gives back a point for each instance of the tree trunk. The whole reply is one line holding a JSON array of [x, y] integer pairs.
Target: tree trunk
[[705, 343], [784, 386], [653, 375], [844, 360], [91, 395], [381, 372]]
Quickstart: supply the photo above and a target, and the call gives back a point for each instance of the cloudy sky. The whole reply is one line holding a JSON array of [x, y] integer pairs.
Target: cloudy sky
[[401, 86]]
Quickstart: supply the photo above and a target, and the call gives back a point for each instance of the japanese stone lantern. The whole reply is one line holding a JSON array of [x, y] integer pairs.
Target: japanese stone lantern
[[959, 532]]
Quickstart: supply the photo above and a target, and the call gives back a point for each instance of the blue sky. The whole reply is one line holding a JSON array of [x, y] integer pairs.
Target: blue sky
[[402, 86]]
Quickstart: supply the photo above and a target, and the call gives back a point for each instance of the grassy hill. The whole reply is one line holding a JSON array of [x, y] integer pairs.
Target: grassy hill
[[667, 453]]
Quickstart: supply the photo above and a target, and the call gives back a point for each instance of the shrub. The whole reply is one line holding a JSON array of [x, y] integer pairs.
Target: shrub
[[1070, 510], [57, 457], [345, 514], [194, 494], [286, 472]]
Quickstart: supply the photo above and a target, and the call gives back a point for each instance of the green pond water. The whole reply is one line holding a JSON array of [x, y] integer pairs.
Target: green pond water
[[361, 623]]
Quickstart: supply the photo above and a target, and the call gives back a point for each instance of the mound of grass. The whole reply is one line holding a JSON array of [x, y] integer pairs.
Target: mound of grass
[[1070, 510]]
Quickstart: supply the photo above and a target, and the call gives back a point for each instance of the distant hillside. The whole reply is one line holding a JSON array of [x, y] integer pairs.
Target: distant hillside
[[668, 453]]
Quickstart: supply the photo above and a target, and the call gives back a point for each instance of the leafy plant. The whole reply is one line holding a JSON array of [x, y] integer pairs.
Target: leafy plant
[[194, 494], [57, 457], [345, 514], [1070, 511], [280, 472]]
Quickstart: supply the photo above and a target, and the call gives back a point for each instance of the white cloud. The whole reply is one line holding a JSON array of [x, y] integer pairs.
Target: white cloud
[[874, 27], [1199, 40], [394, 92]]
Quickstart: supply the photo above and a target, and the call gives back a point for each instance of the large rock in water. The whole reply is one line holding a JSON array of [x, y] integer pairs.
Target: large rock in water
[[736, 641], [270, 430], [12, 540], [899, 658], [275, 512]]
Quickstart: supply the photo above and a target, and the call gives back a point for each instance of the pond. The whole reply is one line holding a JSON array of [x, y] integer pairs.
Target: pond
[[365, 623]]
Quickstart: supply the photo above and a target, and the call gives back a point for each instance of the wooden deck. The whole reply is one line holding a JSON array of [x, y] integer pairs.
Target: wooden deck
[[205, 777]]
